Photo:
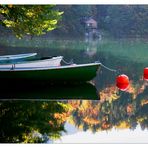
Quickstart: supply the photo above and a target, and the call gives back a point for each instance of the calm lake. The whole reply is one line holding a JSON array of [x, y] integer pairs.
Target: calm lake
[[95, 112]]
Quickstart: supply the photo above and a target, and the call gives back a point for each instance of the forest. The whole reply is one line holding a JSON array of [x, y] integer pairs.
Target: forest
[[112, 20], [115, 20]]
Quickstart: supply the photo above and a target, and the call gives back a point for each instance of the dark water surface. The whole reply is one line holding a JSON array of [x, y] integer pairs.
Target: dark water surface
[[97, 112]]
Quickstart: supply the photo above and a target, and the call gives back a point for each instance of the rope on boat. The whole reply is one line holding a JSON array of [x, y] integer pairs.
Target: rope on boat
[[68, 63], [110, 69], [113, 70]]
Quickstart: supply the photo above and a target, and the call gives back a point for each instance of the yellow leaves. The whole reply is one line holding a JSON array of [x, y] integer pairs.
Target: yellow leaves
[[30, 14], [60, 13], [61, 117], [53, 22], [65, 106], [9, 23], [31, 137], [86, 104], [45, 105], [113, 97], [19, 36], [74, 104], [10, 5], [4, 11], [91, 121], [140, 119], [50, 28], [144, 102], [123, 125], [30, 20], [109, 93], [49, 24]]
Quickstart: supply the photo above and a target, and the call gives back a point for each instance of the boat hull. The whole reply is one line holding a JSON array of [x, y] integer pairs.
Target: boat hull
[[72, 73]]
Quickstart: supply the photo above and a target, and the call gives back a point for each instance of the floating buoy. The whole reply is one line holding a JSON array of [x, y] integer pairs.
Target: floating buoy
[[145, 73], [122, 82]]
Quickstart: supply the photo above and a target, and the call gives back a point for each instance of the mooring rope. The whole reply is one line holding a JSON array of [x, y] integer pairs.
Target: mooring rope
[[110, 69], [68, 63], [113, 70]]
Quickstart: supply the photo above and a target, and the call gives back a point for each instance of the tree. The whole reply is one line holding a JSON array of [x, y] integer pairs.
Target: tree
[[30, 121], [29, 19], [73, 19], [126, 20]]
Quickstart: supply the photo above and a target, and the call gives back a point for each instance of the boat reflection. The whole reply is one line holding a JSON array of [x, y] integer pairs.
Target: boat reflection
[[41, 92]]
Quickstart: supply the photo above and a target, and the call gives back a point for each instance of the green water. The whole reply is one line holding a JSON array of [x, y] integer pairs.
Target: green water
[[26, 118]]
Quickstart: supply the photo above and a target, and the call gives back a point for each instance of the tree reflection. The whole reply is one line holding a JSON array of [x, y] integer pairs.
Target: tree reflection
[[116, 109], [30, 122], [36, 122]]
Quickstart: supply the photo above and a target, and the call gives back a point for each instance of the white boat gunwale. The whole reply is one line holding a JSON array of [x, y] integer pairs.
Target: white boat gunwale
[[51, 67], [17, 56], [35, 61]]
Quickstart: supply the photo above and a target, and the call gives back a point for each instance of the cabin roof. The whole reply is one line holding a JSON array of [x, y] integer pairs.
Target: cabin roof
[[92, 21]]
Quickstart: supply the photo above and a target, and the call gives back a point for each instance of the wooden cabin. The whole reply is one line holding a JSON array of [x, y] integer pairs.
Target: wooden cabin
[[91, 23], [91, 28]]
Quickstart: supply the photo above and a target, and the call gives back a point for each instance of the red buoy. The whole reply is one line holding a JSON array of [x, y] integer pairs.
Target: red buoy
[[145, 73], [122, 82]]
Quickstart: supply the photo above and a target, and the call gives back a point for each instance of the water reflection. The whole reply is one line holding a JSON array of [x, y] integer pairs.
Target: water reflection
[[31, 114], [91, 48], [113, 136], [120, 112], [85, 108], [45, 91], [31, 122]]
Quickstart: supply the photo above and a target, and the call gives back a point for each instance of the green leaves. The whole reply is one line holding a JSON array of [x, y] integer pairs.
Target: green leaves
[[31, 121], [29, 19], [127, 20]]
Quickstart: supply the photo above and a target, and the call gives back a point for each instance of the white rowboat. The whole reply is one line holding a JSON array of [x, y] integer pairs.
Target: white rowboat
[[17, 56], [54, 61]]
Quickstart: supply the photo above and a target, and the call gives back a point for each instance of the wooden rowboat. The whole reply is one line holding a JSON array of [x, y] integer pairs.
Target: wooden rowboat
[[70, 73], [17, 56], [54, 61]]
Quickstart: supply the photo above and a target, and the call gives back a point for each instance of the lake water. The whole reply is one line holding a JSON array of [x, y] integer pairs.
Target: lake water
[[97, 112]]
